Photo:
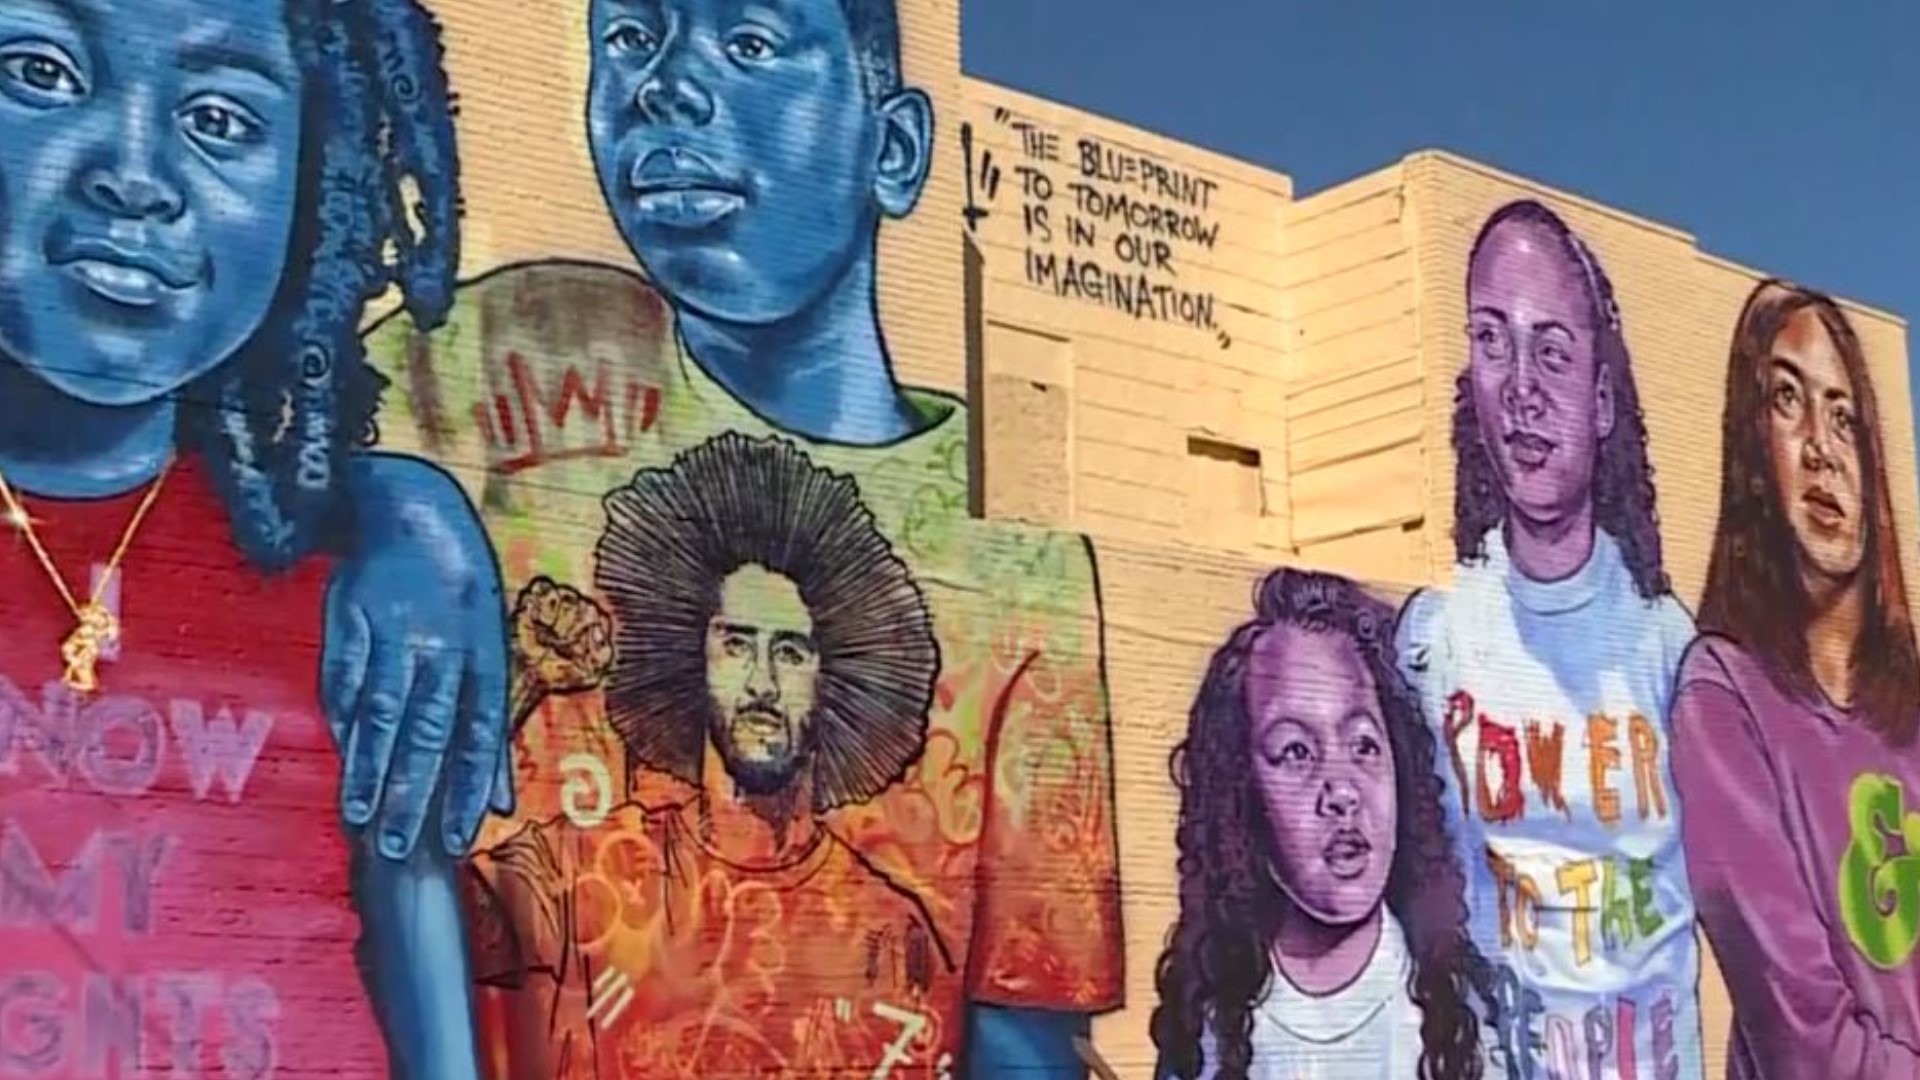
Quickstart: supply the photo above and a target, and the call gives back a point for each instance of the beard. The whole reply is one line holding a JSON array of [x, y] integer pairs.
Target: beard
[[762, 749]]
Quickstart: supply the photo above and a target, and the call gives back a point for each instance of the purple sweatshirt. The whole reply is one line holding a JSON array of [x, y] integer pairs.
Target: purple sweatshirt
[[1812, 919]]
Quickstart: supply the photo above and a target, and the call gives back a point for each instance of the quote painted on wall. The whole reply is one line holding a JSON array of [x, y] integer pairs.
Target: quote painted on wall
[[1103, 223]]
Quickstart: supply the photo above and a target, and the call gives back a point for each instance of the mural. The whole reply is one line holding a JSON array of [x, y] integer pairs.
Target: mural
[[593, 670], [1547, 675], [1795, 710], [1511, 892], [784, 670], [813, 771], [1321, 932], [195, 196]]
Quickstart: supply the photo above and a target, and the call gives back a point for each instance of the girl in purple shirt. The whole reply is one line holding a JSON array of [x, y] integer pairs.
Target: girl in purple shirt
[[1796, 714]]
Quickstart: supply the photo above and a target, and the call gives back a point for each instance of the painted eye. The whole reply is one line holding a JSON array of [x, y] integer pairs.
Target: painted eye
[[222, 123], [41, 72], [1295, 753], [737, 645], [1490, 341], [751, 46], [1367, 746], [1844, 421], [631, 39], [1555, 354], [790, 654], [1786, 398]]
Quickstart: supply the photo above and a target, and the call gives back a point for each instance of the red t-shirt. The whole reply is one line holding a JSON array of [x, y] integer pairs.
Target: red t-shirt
[[173, 876]]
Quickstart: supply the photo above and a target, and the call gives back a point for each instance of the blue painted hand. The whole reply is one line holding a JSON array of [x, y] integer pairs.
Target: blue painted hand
[[415, 666]]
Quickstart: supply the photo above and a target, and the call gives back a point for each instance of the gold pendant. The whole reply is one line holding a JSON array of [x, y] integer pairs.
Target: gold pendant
[[81, 650]]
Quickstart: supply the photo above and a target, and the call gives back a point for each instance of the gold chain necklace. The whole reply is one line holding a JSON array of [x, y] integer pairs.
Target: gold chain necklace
[[95, 627]]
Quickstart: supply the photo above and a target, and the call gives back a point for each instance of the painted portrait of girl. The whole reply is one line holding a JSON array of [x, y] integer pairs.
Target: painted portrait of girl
[[246, 664], [1546, 672], [1321, 931], [1797, 711]]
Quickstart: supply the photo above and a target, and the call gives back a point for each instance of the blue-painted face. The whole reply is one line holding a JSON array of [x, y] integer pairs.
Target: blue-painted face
[[743, 156], [149, 159]]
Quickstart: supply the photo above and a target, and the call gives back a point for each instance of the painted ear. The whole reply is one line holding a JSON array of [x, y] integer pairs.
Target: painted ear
[[906, 151], [1603, 409]]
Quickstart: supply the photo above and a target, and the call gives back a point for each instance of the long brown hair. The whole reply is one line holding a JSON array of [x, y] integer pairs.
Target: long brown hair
[[1755, 592]]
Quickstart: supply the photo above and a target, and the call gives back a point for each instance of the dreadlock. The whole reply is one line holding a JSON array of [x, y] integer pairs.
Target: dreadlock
[[378, 207]]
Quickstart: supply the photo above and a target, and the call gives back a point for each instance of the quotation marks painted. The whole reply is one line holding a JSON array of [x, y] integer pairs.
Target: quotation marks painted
[[1103, 223], [612, 993], [987, 178], [587, 795]]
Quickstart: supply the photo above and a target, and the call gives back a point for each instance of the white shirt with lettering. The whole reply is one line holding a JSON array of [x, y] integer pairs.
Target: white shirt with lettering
[[1549, 706], [1366, 1029]]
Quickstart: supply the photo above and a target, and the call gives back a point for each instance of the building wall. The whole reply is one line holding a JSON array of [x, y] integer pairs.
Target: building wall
[[859, 599], [1141, 298]]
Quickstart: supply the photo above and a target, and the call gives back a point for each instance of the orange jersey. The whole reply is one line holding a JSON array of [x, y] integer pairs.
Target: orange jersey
[[647, 954]]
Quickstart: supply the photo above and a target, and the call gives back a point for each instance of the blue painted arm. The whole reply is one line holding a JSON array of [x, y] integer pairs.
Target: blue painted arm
[[1033, 1044], [415, 662], [414, 962]]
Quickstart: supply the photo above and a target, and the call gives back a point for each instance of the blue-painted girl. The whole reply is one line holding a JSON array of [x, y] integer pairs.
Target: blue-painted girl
[[231, 634]]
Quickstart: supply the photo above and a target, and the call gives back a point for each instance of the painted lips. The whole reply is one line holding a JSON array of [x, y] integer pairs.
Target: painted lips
[[1529, 451], [129, 277], [1825, 510], [759, 723], [126, 285], [1347, 853], [681, 189]]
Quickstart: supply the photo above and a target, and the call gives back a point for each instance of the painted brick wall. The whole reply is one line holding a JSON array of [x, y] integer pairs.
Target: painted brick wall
[[859, 615]]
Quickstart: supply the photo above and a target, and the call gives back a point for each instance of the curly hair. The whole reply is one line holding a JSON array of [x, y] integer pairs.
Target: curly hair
[[1623, 491], [1216, 968], [378, 206], [1755, 594], [674, 535]]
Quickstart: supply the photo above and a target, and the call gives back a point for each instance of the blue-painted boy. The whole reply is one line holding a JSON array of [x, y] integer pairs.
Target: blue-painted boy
[[749, 153]]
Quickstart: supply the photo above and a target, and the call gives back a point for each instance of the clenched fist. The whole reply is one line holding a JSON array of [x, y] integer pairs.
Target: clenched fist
[[562, 644]]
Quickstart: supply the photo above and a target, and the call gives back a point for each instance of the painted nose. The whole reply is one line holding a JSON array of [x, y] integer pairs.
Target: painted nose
[[127, 190], [1813, 452], [1521, 393], [1339, 798], [669, 95], [761, 686]]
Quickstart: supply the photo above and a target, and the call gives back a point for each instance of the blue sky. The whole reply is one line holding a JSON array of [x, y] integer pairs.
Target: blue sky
[[1783, 136]]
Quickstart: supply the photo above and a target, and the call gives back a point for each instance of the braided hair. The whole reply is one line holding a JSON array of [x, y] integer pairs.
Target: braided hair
[[378, 206]]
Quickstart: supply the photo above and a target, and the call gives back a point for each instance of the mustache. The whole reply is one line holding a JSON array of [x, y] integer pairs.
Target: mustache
[[767, 713]]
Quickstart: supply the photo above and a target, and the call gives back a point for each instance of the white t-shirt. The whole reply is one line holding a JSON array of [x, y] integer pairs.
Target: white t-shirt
[[1367, 1029], [1551, 700]]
